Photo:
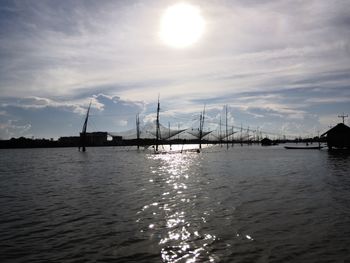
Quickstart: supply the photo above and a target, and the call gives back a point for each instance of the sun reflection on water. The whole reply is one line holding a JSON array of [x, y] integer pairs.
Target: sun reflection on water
[[174, 218]]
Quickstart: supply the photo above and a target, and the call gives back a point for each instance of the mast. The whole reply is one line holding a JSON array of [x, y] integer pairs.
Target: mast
[[138, 130], [241, 135], [157, 126], [226, 130], [169, 136], [169, 128], [200, 130], [83, 132], [248, 141], [232, 136], [201, 126], [220, 136]]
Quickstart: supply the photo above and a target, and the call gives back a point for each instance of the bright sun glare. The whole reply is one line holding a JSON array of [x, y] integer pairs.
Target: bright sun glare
[[181, 25]]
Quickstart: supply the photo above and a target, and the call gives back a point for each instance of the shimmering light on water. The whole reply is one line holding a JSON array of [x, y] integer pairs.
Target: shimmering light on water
[[247, 204], [181, 238]]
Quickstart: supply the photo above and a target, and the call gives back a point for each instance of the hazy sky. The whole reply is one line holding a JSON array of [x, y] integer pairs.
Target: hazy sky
[[283, 66]]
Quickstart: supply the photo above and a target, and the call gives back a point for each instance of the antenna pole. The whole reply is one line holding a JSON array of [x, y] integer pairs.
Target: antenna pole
[[343, 117]]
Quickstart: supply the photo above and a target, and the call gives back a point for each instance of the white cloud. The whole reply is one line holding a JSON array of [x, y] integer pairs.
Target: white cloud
[[56, 55], [12, 129], [328, 100]]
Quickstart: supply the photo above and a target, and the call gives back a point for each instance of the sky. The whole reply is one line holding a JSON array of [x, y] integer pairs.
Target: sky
[[279, 66]]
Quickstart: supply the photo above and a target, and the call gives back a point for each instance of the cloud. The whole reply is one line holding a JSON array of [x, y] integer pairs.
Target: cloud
[[12, 129], [271, 61], [329, 100], [43, 117], [32, 103], [91, 45]]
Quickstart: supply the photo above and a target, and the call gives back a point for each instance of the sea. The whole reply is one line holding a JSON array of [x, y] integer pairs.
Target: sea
[[119, 204]]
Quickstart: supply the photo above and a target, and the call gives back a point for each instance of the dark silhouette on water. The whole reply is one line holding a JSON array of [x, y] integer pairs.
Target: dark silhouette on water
[[266, 142], [338, 136], [157, 127], [201, 126], [138, 130], [83, 132], [303, 147]]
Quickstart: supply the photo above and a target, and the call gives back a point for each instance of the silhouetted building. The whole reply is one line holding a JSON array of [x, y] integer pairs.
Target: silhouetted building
[[117, 139], [266, 142], [27, 143], [338, 136], [69, 140], [96, 138]]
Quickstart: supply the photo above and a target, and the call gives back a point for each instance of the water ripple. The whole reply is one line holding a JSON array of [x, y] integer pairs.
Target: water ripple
[[246, 204]]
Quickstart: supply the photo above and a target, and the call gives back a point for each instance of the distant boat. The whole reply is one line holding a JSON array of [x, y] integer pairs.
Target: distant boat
[[303, 147], [267, 142]]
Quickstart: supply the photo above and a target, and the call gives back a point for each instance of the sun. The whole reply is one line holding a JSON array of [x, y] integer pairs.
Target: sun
[[181, 25]]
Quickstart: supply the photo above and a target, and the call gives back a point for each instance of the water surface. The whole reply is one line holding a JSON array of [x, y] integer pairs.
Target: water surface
[[245, 204]]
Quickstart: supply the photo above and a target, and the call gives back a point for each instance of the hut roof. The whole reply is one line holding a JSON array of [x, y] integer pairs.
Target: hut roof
[[266, 140], [339, 128]]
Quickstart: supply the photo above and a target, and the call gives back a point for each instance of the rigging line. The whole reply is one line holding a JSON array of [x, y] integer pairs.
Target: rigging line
[[246, 129]]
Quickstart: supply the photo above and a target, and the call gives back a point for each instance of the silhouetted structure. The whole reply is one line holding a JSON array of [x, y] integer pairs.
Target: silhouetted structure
[[266, 142], [201, 126], [157, 126], [338, 136], [69, 140], [83, 132], [138, 130], [95, 138], [117, 139], [28, 143]]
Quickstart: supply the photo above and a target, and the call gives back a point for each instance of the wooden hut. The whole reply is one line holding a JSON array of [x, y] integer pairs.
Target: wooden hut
[[266, 142], [338, 136]]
